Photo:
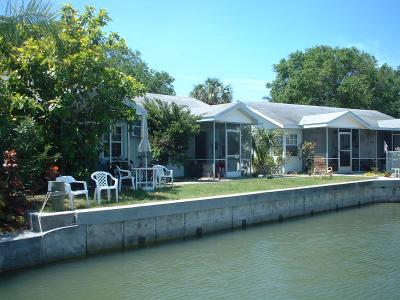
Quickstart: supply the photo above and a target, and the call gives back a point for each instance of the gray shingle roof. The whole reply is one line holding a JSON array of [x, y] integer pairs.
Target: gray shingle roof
[[196, 107], [290, 115]]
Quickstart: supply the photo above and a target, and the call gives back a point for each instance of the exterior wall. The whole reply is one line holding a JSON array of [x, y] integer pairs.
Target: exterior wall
[[236, 116], [84, 232]]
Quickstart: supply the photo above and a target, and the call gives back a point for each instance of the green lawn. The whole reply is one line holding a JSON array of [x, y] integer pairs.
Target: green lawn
[[187, 191], [220, 188]]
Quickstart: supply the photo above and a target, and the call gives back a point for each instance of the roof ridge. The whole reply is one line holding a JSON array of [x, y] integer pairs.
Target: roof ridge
[[307, 105]]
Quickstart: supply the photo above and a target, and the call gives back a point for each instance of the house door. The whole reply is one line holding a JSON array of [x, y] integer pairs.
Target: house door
[[233, 153], [345, 152]]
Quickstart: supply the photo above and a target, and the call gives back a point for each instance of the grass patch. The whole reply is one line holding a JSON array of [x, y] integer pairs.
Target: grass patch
[[220, 188], [187, 191]]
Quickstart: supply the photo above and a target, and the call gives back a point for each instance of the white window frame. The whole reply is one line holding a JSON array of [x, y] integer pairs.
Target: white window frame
[[106, 140], [291, 141], [133, 127]]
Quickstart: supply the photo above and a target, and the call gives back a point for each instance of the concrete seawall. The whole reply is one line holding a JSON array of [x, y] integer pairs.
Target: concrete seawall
[[84, 232]]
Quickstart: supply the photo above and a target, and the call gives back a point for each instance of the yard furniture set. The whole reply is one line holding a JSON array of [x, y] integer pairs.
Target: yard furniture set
[[139, 178]]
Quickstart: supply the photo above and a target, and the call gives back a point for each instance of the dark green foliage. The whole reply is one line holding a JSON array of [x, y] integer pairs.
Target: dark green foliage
[[307, 154], [12, 196], [131, 63], [212, 91], [342, 77], [170, 128], [59, 91], [267, 157]]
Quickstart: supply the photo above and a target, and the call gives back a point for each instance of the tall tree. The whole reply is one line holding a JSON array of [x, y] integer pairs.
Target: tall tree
[[387, 91], [130, 62], [343, 77], [170, 127], [62, 91], [212, 91], [33, 14]]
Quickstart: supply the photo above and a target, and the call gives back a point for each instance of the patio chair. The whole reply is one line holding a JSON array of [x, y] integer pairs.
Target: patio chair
[[68, 180], [320, 167], [125, 175], [163, 174], [101, 180]]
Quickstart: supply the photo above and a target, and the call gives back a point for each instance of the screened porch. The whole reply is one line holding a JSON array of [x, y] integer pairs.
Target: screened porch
[[352, 150], [220, 145]]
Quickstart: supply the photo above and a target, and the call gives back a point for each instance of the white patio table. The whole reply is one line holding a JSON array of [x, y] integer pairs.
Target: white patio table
[[145, 178]]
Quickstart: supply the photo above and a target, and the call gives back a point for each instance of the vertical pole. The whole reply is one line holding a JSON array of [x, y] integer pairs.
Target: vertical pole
[[338, 149], [326, 145], [110, 148], [128, 131], [226, 152], [376, 149], [251, 151], [240, 149], [284, 151], [214, 149], [392, 148], [359, 150]]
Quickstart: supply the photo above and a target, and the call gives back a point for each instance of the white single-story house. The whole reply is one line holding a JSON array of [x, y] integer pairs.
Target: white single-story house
[[350, 140], [225, 137]]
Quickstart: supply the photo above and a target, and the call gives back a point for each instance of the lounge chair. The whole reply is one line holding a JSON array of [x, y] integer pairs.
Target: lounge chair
[[320, 167]]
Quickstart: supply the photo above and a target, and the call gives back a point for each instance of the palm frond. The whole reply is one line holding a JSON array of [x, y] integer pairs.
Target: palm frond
[[39, 13]]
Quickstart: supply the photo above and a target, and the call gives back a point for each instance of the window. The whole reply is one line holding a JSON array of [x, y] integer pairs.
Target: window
[[277, 148], [291, 144], [116, 143], [136, 127]]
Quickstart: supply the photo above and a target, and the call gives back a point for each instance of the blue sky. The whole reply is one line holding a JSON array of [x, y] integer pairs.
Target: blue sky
[[239, 41]]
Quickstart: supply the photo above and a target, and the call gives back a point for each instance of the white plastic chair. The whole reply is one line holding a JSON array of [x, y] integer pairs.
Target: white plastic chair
[[67, 181], [125, 175], [101, 180], [163, 174]]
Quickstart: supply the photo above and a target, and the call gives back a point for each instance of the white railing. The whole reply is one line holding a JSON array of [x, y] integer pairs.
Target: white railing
[[392, 160]]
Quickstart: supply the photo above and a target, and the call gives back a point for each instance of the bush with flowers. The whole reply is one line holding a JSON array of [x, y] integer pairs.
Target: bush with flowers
[[13, 202]]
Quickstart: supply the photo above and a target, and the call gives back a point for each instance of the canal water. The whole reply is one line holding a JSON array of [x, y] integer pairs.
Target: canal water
[[350, 254]]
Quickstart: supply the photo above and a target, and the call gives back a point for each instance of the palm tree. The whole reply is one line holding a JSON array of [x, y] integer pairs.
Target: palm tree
[[264, 142], [37, 14], [212, 91]]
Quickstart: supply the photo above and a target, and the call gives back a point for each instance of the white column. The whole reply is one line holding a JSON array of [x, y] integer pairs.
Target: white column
[[327, 145], [251, 151], [240, 149], [392, 148], [376, 149], [283, 151], [214, 149]]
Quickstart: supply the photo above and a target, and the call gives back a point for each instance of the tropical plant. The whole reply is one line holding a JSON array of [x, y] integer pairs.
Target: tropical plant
[[20, 17], [63, 89], [212, 91], [170, 128], [12, 195], [267, 157], [307, 154]]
